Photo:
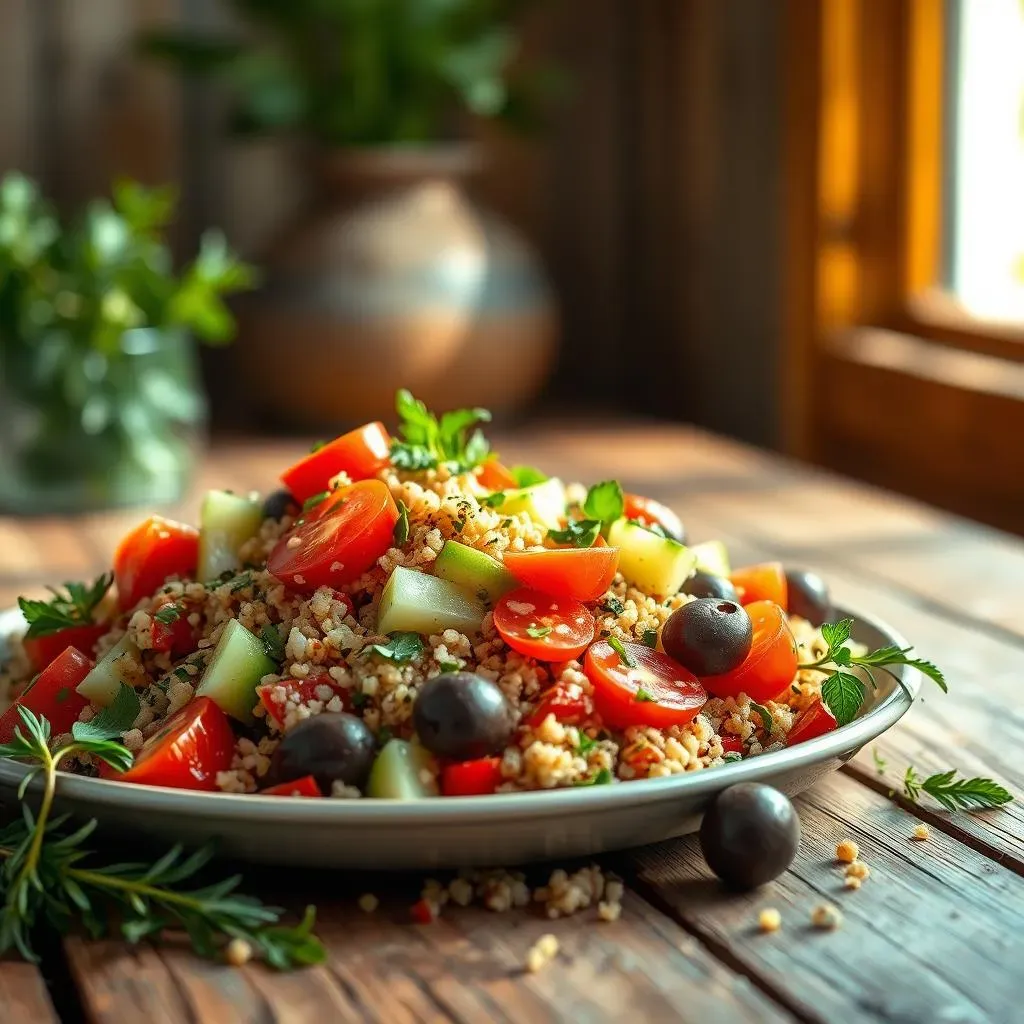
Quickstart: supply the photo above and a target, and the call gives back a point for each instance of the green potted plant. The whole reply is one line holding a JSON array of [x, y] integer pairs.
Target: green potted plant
[[396, 277], [99, 400]]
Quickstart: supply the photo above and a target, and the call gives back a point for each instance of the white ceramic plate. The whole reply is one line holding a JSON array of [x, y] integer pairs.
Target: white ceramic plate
[[470, 831]]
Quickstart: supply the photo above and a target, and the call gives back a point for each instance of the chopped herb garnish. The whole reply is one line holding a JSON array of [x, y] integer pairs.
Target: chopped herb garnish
[[113, 720], [360, 700], [585, 745], [401, 532], [273, 643], [400, 648], [314, 500], [956, 794], [880, 763], [643, 696], [580, 533], [527, 476], [458, 525], [495, 500], [74, 607], [602, 778], [383, 735], [538, 632], [613, 606], [428, 442], [766, 716], [316, 446], [620, 649], [732, 755], [650, 638], [656, 528], [238, 583], [449, 666], [169, 614], [605, 501]]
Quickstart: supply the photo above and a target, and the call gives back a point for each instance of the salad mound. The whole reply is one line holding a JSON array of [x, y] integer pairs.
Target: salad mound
[[409, 617]]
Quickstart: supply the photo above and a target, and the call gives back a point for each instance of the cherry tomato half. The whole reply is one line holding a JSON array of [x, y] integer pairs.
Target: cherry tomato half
[[306, 786], [355, 528], [544, 627], [655, 691], [51, 696], [177, 637], [764, 582], [568, 708], [581, 573], [471, 778], [771, 664], [361, 453], [495, 477], [186, 753], [815, 720], [155, 550], [653, 513], [41, 650]]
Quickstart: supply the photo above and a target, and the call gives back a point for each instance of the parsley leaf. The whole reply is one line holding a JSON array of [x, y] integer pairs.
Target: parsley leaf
[[580, 533], [401, 647], [613, 606], [643, 696], [273, 643], [538, 632], [620, 649], [843, 694], [170, 613], [113, 720], [527, 476], [449, 666], [586, 745], [238, 583], [766, 716], [956, 794], [650, 638], [495, 500], [602, 778], [605, 501], [74, 607], [732, 755], [428, 442], [401, 531]]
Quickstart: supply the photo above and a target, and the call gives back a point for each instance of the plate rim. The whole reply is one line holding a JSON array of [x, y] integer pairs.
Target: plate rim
[[506, 807]]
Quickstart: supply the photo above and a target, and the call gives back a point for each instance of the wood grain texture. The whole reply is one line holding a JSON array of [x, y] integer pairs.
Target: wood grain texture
[[23, 996]]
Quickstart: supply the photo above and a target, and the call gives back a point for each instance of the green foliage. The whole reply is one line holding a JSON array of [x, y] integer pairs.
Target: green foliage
[[956, 794], [400, 647], [428, 442], [74, 606], [356, 73]]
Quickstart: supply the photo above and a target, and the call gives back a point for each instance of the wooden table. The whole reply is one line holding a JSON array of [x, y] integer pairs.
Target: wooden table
[[935, 934]]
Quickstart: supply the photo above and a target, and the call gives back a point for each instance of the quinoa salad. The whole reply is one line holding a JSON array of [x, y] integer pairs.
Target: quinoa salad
[[408, 617]]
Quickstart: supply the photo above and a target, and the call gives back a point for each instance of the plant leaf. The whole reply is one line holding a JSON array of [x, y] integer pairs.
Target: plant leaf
[[843, 693]]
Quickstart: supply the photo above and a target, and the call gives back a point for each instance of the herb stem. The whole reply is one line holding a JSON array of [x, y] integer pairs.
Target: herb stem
[[28, 870]]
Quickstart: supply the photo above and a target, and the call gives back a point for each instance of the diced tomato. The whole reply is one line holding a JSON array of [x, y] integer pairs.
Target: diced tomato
[[771, 664], [640, 759], [186, 753], [345, 600], [302, 689], [471, 778], [361, 453], [341, 543], [732, 744], [653, 513], [177, 637], [41, 650], [495, 477], [580, 573], [656, 691], [423, 912], [569, 709], [155, 550], [51, 696], [306, 786], [815, 720], [544, 627], [765, 582]]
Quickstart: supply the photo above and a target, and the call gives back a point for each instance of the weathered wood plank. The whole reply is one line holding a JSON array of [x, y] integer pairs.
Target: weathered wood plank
[[929, 936], [23, 995]]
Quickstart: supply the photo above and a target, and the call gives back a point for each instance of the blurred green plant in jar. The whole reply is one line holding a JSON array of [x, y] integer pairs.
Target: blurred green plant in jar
[[100, 403]]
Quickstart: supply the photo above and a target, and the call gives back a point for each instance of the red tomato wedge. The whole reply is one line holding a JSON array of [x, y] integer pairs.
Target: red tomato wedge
[[732, 744], [355, 528], [471, 778], [51, 696], [569, 709], [495, 477], [655, 691], [41, 650], [186, 753], [361, 453], [155, 550], [580, 573], [765, 582], [815, 720], [299, 691], [306, 786], [177, 637], [771, 664], [544, 627], [653, 513]]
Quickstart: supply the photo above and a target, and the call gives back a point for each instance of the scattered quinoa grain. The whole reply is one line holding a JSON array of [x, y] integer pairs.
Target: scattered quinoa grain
[[368, 903], [852, 882], [769, 920], [921, 832], [543, 950], [859, 870], [847, 851], [609, 911], [826, 917], [238, 952]]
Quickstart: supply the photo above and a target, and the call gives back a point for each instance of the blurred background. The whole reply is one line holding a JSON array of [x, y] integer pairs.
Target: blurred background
[[796, 222]]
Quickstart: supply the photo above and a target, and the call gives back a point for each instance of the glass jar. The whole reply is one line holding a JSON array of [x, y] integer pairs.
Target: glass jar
[[87, 430]]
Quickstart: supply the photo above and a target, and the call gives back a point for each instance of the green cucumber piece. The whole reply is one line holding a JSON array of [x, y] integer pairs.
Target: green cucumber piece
[[101, 685], [712, 557], [474, 570], [234, 670], [395, 774], [415, 602], [656, 565], [226, 522], [544, 503]]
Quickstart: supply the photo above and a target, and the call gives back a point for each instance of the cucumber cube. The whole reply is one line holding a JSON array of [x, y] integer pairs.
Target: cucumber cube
[[656, 565], [543, 503], [102, 684], [712, 557], [226, 522], [395, 774], [475, 571], [234, 670], [425, 604]]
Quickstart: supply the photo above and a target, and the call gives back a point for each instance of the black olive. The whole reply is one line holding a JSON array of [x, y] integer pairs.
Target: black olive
[[708, 636], [462, 716], [750, 835], [278, 504], [809, 597], [706, 584], [331, 747]]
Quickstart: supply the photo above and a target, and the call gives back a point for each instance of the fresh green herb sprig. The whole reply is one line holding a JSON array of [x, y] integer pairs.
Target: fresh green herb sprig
[[72, 607], [47, 876], [842, 691], [603, 504], [619, 648], [400, 534], [273, 643], [955, 794], [400, 647], [428, 442]]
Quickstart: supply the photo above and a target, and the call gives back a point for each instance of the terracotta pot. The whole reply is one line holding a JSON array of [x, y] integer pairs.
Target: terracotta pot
[[398, 279]]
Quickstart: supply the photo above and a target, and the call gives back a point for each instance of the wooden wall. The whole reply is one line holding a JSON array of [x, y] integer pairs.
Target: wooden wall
[[654, 199]]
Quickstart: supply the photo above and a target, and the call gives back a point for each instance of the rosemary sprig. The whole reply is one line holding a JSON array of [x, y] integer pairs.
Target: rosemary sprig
[[955, 794], [46, 876]]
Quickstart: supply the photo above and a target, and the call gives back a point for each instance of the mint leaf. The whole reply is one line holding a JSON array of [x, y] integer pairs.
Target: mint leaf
[[401, 647], [580, 533], [605, 501], [620, 649], [843, 694], [835, 634], [401, 532], [74, 607], [113, 720], [527, 476]]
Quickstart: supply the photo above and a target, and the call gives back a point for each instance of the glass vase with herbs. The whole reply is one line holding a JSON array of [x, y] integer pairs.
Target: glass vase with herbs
[[100, 402]]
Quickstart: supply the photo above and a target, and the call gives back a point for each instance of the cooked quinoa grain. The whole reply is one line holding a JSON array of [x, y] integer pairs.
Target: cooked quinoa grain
[[826, 917], [847, 851], [769, 920], [543, 951], [238, 952], [921, 832], [859, 870]]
